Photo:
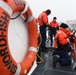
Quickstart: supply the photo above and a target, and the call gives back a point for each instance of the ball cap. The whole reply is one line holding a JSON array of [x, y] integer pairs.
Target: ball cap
[[63, 25]]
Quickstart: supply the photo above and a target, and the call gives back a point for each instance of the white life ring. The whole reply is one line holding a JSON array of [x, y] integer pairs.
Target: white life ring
[[7, 64]]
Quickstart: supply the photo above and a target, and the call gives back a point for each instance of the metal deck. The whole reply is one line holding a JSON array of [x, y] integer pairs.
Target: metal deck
[[46, 67]]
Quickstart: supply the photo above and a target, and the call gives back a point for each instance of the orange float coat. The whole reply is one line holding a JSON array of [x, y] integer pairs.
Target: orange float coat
[[61, 37], [43, 19], [68, 33], [54, 24]]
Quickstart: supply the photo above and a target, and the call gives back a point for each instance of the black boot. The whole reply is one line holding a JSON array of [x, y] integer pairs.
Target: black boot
[[55, 60], [44, 49]]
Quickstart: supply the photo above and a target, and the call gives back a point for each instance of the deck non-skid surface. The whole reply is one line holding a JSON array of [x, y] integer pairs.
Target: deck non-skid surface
[[46, 67]]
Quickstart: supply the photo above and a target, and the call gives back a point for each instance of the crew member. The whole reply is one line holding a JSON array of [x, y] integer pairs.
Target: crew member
[[54, 26], [43, 22], [62, 46]]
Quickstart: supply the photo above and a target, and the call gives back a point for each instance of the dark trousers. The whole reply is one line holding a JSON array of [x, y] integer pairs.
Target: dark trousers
[[43, 34], [52, 34], [65, 58], [42, 46]]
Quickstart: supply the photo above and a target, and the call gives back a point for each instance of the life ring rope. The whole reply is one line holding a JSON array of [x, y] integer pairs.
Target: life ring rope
[[30, 19]]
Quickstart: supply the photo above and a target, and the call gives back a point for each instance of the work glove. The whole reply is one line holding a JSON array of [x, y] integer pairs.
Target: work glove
[[71, 38]]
